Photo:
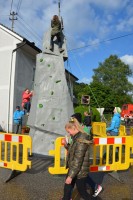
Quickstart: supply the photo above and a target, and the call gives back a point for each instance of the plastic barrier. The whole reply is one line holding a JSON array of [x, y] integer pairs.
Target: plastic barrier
[[114, 153], [131, 130], [109, 154], [14, 151], [122, 130], [58, 169], [99, 129]]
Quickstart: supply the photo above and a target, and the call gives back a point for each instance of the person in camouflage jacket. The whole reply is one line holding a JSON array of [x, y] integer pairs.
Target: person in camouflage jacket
[[56, 32], [77, 162]]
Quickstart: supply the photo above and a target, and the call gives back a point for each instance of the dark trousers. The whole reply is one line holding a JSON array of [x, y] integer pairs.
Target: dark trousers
[[58, 35], [27, 106], [17, 128], [81, 187], [94, 179]]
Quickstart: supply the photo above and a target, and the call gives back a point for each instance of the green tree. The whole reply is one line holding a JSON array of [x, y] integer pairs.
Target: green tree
[[79, 90], [110, 83], [82, 108]]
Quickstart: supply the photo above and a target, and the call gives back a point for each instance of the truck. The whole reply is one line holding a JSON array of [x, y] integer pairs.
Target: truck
[[127, 113]]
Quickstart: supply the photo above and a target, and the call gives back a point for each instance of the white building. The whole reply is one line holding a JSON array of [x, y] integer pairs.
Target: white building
[[17, 70]]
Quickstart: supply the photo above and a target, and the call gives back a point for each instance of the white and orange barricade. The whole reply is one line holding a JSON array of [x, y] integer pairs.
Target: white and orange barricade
[[14, 151], [117, 149]]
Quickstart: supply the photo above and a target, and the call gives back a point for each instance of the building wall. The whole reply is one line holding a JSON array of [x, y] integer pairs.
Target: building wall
[[24, 75], [7, 44]]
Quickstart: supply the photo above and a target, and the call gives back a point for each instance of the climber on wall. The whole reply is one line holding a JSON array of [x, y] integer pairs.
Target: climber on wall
[[56, 31]]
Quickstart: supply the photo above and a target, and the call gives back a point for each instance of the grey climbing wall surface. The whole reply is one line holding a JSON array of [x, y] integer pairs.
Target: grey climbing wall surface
[[51, 104]]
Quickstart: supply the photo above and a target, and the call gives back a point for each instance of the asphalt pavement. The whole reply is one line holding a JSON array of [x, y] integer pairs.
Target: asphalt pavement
[[37, 184]]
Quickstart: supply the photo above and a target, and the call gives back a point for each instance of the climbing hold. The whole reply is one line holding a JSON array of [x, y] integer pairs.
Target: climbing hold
[[53, 118], [48, 65], [41, 60], [58, 81], [52, 93], [40, 105]]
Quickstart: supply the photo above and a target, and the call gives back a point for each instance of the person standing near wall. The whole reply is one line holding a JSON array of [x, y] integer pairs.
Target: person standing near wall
[[26, 97], [17, 118]]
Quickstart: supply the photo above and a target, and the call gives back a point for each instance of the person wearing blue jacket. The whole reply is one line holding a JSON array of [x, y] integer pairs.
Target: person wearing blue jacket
[[113, 130], [17, 118]]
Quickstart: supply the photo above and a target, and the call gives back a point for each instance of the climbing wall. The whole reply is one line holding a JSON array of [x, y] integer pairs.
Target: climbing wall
[[51, 104]]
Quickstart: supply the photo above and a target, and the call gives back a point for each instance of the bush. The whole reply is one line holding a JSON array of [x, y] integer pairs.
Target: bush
[[82, 108]]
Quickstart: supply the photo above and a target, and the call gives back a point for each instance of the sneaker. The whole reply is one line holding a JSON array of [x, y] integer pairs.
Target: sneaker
[[97, 191]]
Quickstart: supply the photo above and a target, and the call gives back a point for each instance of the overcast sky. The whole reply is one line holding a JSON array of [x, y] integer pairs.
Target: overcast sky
[[91, 23]]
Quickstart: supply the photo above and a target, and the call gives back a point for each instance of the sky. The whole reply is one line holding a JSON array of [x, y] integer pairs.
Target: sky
[[94, 29]]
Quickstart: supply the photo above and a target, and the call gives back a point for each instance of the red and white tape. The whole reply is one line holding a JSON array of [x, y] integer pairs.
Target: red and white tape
[[11, 138], [110, 140]]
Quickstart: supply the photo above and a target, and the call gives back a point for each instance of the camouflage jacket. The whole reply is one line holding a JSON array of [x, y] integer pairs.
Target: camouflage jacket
[[78, 156], [56, 27]]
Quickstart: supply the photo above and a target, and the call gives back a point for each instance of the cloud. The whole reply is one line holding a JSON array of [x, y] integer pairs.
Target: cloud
[[125, 25], [109, 4], [85, 80], [83, 20], [128, 59]]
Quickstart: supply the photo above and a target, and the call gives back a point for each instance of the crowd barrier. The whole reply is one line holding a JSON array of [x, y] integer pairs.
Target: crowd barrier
[[108, 153], [99, 129], [14, 151], [131, 130]]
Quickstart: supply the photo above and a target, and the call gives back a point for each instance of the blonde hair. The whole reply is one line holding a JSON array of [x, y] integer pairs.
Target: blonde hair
[[74, 123]]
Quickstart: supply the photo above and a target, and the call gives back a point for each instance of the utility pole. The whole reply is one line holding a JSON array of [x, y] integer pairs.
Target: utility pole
[[13, 18]]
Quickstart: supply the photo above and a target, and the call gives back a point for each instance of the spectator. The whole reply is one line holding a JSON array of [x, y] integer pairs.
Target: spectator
[[26, 97], [17, 118], [78, 117], [56, 31], [87, 119], [113, 130]]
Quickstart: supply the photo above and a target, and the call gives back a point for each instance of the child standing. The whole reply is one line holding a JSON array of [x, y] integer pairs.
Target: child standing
[[17, 118]]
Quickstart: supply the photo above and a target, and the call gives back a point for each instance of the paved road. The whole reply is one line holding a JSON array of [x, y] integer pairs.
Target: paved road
[[38, 184]]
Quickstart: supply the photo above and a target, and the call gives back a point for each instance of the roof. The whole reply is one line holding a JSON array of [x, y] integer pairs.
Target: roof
[[20, 37], [71, 75]]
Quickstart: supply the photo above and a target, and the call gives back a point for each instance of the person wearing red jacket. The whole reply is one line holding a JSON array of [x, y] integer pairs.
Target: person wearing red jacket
[[26, 97]]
